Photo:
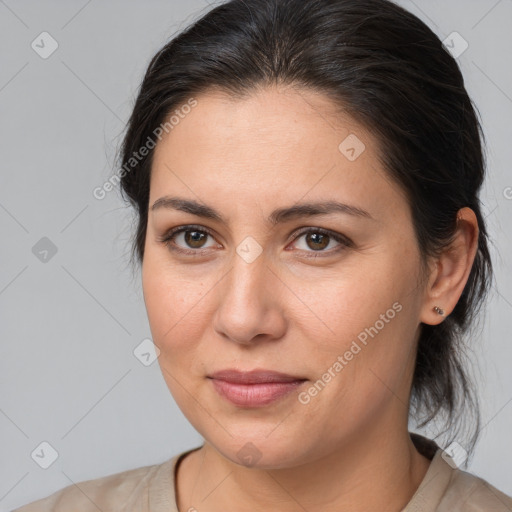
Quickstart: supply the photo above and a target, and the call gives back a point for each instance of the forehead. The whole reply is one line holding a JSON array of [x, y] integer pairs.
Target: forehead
[[271, 116], [272, 144]]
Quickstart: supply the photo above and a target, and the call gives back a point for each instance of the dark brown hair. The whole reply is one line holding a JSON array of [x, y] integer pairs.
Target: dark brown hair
[[388, 70]]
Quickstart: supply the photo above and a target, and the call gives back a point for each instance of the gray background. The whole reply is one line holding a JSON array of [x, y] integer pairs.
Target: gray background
[[69, 325]]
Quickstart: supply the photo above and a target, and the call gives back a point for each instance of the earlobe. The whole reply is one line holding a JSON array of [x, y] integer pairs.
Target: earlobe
[[452, 270]]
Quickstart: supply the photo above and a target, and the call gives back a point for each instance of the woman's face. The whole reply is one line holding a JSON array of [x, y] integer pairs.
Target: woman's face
[[246, 287]]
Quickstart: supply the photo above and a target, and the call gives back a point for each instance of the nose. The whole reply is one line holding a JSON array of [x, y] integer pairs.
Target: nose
[[251, 303]]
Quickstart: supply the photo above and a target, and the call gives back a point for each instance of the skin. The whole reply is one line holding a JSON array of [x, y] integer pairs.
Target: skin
[[348, 448]]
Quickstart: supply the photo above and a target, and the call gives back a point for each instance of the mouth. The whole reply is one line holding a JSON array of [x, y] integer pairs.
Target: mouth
[[255, 388]]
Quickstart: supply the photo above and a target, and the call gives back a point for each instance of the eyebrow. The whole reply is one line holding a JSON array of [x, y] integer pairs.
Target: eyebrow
[[279, 215]]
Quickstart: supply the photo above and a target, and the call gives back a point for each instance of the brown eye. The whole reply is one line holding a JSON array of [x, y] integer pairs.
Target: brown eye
[[194, 239], [317, 240], [187, 239]]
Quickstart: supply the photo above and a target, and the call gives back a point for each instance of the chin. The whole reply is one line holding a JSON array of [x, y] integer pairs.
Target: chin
[[262, 451]]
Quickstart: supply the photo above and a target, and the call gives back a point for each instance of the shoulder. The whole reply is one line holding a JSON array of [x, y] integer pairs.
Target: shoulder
[[473, 494], [131, 488], [448, 488]]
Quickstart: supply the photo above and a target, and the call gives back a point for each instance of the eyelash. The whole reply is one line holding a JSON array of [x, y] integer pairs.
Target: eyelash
[[169, 237]]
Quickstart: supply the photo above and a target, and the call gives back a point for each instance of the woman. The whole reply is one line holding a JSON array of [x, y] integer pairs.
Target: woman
[[306, 178]]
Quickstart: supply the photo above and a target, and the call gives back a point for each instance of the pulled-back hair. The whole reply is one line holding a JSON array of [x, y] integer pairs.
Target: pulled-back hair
[[391, 73]]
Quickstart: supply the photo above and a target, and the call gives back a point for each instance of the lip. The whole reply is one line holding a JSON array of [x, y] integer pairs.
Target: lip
[[254, 376], [254, 388]]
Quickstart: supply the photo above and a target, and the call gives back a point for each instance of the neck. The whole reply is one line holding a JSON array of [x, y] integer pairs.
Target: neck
[[378, 467]]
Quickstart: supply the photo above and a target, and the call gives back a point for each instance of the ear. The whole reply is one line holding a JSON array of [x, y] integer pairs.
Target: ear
[[451, 269]]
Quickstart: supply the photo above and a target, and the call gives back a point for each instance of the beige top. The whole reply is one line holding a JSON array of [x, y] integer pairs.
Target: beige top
[[151, 489]]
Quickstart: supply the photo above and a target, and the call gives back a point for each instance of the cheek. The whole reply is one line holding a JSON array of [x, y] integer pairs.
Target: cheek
[[176, 319], [339, 304], [175, 307], [367, 315]]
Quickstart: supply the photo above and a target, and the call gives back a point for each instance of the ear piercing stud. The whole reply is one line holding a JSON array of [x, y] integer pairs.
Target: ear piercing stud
[[438, 310]]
